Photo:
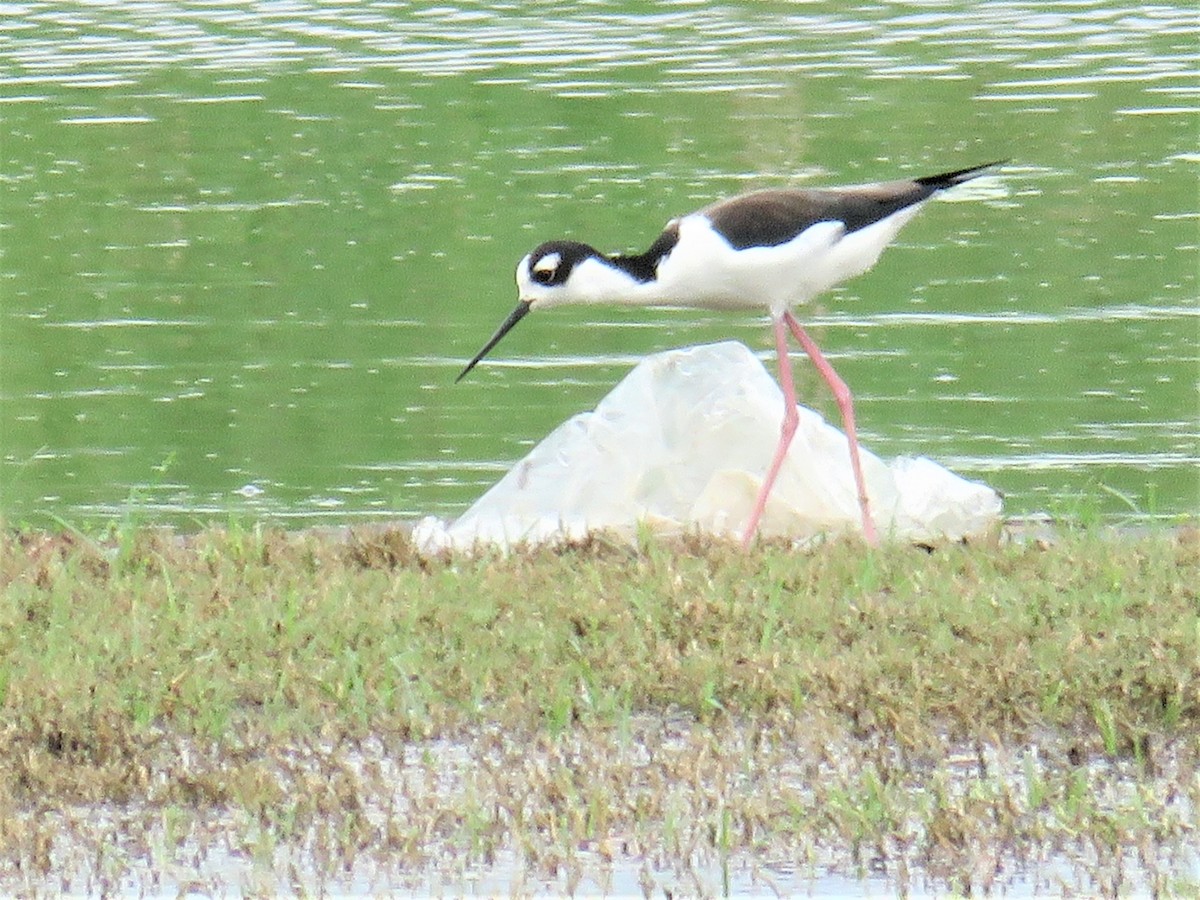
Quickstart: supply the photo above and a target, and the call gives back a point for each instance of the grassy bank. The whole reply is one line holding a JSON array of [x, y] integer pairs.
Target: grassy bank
[[333, 702]]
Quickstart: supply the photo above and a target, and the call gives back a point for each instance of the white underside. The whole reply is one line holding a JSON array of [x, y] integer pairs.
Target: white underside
[[704, 271]]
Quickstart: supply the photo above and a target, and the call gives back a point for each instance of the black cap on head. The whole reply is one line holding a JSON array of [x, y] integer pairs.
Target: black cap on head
[[551, 263]]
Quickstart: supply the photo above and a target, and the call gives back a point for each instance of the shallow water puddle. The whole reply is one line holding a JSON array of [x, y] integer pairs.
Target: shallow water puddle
[[651, 806]]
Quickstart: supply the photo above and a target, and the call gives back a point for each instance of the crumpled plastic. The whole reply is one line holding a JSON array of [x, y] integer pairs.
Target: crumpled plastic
[[683, 443]]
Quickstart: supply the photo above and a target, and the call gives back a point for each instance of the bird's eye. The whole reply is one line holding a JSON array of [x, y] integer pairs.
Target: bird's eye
[[546, 268]]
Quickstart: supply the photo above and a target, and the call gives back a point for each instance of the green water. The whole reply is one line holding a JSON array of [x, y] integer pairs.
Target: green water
[[245, 249]]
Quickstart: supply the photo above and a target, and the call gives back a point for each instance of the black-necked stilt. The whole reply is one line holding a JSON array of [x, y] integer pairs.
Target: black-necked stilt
[[774, 248]]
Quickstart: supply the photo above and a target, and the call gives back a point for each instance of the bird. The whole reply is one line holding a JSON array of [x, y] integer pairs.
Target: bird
[[776, 249]]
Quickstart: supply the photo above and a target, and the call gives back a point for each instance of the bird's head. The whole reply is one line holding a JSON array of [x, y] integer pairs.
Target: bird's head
[[555, 273]]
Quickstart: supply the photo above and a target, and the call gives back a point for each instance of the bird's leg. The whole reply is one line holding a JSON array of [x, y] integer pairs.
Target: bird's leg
[[791, 419], [845, 402]]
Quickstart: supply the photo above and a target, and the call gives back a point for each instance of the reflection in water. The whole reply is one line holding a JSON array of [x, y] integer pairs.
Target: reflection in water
[[246, 249]]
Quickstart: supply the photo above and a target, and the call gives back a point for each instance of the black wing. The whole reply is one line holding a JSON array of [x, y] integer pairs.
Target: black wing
[[773, 217]]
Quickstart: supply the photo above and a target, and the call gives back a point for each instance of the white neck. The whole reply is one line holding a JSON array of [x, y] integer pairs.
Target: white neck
[[597, 281], [592, 281]]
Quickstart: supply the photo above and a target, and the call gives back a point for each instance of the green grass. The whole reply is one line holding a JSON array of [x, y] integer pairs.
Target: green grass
[[261, 630], [186, 673]]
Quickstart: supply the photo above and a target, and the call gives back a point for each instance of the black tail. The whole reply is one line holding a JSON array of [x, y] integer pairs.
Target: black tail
[[950, 179]]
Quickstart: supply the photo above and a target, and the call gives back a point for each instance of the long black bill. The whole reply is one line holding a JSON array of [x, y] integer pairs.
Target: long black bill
[[516, 316]]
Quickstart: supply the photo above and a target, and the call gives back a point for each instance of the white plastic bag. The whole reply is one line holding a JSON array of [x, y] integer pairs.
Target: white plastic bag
[[683, 442]]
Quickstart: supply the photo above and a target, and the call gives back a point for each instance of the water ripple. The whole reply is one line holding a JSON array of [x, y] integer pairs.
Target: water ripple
[[106, 44]]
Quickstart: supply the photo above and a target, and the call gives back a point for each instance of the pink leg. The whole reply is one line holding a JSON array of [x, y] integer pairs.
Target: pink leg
[[845, 402], [790, 420]]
